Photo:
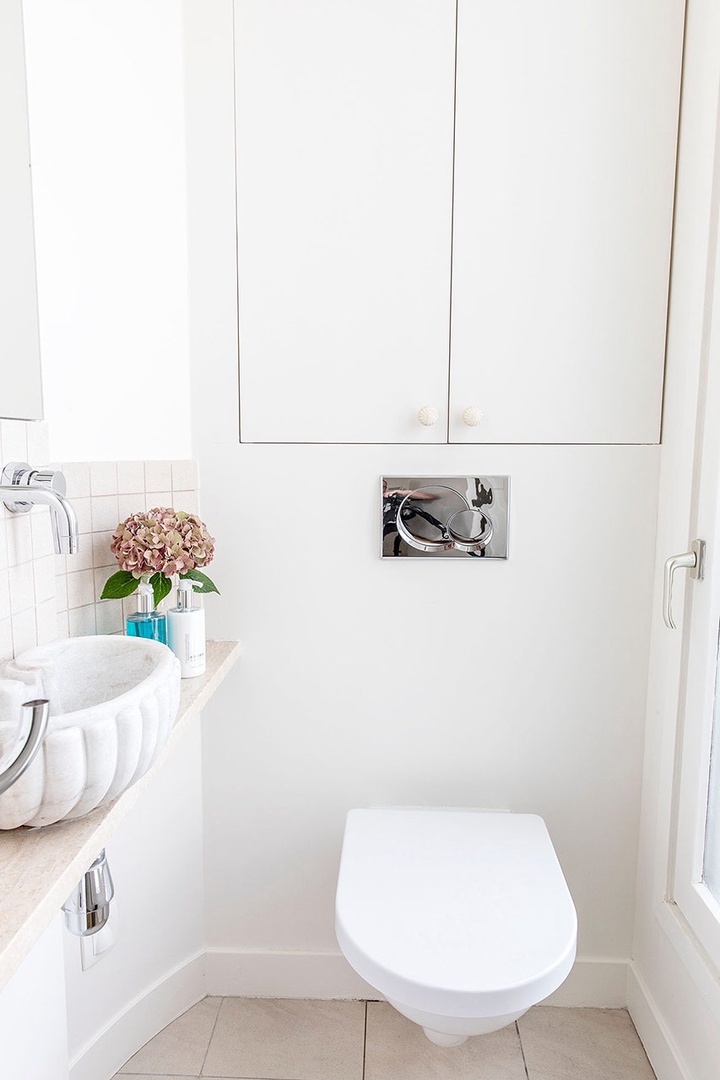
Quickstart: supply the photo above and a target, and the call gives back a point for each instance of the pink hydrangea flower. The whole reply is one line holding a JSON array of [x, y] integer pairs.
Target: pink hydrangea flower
[[162, 541]]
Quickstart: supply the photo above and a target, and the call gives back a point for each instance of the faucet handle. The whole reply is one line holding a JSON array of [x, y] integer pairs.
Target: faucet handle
[[20, 474], [52, 479]]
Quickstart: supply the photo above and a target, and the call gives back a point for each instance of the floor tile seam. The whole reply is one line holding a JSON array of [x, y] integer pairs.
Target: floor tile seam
[[522, 1051], [364, 1050], [207, 1048]]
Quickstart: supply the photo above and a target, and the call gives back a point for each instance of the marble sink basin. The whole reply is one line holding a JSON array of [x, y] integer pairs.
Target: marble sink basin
[[113, 703]]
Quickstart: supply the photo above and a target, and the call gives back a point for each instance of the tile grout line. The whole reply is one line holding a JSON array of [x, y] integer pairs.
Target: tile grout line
[[207, 1048], [522, 1051], [364, 1054]]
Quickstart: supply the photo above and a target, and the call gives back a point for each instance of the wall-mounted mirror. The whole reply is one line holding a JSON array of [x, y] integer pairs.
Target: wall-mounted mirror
[[20, 380]]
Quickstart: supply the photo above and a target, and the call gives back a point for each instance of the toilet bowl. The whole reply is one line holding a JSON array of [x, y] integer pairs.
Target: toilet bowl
[[461, 919]]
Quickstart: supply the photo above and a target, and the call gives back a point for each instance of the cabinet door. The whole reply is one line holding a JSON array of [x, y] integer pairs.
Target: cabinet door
[[344, 159], [565, 155]]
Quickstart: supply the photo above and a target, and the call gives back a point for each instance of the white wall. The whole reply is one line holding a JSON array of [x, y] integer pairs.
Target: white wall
[[518, 685], [33, 1033], [106, 102], [674, 995], [155, 970]]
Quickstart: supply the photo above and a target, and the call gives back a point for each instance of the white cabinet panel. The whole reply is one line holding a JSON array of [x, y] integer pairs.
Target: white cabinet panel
[[344, 150], [565, 150]]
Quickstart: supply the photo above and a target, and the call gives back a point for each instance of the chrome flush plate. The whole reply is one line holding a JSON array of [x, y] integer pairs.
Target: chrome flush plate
[[457, 517]]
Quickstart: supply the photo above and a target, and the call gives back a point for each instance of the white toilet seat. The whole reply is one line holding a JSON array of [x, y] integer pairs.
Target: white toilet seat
[[456, 913]]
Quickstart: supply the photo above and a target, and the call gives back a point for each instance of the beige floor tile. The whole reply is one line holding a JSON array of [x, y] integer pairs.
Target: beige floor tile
[[154, 1076], [259, 1039], [582, 1044], [179, 1049], [397, 1049]]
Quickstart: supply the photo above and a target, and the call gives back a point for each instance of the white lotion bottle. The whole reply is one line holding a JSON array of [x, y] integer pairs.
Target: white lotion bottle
[[186, 631]]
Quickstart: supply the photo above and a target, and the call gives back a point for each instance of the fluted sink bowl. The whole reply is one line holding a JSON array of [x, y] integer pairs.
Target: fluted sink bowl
[[113, 703]]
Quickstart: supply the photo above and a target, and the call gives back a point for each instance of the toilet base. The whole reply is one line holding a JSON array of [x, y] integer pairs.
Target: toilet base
[[454, 1030], [441, 1039]]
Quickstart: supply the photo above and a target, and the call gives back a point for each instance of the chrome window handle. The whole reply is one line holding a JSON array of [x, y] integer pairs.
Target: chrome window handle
[[694, 561]]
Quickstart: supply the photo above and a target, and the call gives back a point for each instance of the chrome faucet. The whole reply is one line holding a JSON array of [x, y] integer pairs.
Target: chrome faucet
[[38, 727], [23, 487]]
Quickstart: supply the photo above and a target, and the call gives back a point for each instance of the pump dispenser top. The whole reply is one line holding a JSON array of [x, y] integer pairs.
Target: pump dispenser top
[[146, 621], [186, 630]]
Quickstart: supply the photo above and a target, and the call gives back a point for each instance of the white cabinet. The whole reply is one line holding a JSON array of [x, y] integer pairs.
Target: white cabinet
[[565, 158], [541, 165], [344, 151]]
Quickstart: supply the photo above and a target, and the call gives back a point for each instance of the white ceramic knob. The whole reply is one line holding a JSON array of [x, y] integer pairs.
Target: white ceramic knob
[[428, 415], [472, 416]]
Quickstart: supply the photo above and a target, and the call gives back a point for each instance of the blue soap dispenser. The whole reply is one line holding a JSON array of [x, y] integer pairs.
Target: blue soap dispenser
[[146, 622]]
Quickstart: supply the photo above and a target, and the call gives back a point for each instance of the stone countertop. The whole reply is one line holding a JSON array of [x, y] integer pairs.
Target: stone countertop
[[40, 867]]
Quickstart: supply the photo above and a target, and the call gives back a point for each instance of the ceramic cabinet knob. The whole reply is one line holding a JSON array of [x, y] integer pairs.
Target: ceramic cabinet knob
[[428, 415], [472, 416]]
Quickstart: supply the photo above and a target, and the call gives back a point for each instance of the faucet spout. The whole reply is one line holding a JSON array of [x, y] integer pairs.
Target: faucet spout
[[24, 488], [38, 726]]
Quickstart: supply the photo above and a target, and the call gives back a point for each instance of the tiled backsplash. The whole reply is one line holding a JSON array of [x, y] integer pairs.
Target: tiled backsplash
[[27, 560], [44, 596]]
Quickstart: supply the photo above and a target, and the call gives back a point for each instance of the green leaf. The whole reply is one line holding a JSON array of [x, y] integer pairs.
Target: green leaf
[[119, 585], [161, 586], [206, 585]]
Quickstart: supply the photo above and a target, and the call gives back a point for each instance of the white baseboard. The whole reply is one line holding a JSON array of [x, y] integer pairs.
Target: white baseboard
[[599, 983], [593, 983], [237, 973], [650, 1026], [142, 1019]]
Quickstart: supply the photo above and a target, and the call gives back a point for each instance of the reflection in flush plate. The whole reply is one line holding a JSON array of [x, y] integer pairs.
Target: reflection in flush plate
[[445, 517]]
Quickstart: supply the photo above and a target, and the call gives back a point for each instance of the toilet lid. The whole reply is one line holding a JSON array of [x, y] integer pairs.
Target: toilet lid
[[461, 913]]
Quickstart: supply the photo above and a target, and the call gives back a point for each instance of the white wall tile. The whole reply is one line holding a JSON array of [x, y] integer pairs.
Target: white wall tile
[[14, 441], [158, 475], [101, 553], [130, 477], [105, 513], [22, 588], [38, 443], [61, 598], [6, 640], [103, 478], [81, 621], [47, 623], [100, 576], [131, 504], [82, 559], [109, 615], [80, 589], [19, 538], [43, 595], [41, 532], [188, 501], [24, 631], [159, 498], [140, 486], [184, 476], [83, 510], [77, 475], [44, 571], [4, 594]]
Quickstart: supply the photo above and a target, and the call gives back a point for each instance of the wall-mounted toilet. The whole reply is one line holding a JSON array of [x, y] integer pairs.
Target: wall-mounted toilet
[[462, 919]]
